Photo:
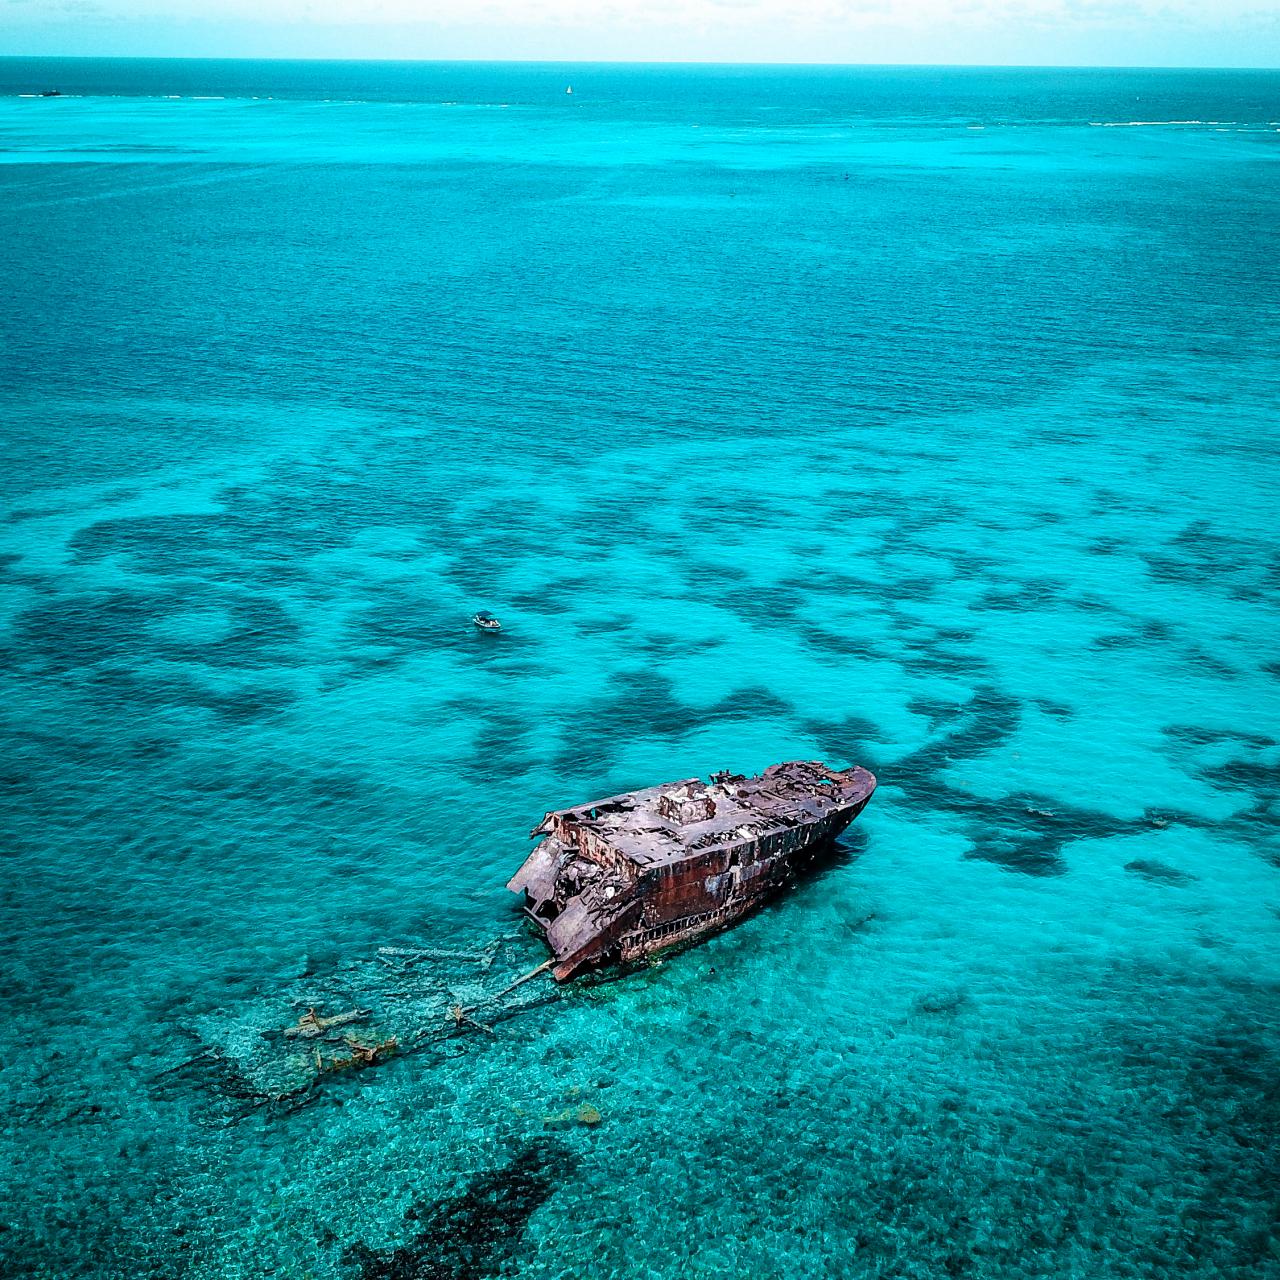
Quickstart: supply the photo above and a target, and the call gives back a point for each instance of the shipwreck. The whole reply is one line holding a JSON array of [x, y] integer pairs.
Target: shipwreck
[[618, 879]]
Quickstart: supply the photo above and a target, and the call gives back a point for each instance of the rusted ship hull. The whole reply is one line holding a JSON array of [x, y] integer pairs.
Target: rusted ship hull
[[671, 928], [621, 878]]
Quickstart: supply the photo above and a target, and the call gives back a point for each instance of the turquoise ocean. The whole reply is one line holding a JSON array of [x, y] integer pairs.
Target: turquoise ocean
[[922, 419]]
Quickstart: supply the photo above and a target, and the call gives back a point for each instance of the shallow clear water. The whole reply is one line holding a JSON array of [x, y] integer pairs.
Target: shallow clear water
[[917, 419]]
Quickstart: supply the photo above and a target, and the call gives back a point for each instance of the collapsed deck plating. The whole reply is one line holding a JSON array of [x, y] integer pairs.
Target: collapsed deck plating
[[620, 878]]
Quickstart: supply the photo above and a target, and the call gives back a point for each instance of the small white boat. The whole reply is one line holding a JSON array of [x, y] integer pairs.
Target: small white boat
[[487, 622], [569, 89]]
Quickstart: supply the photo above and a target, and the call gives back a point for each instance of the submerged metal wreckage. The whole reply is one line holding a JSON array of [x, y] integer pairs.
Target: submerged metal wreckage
[[612, 881], [280, 1049], [621, 878]]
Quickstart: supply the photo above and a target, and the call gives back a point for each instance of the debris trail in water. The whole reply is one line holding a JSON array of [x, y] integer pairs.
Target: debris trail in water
[[400, 1001]]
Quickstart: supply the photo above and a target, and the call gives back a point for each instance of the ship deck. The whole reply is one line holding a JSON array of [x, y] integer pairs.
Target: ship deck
[[745, 810]]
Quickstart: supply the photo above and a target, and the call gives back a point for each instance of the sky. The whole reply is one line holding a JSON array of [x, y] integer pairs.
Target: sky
[[1229, 33]]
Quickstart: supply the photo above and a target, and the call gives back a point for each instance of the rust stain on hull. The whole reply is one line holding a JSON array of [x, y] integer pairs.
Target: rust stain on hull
[[620, 878]]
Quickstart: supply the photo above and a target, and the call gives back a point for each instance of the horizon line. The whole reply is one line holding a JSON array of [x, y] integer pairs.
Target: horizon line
[[634, 62]]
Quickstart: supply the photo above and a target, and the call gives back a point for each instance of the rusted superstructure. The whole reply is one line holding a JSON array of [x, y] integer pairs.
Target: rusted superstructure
[[621, 878]]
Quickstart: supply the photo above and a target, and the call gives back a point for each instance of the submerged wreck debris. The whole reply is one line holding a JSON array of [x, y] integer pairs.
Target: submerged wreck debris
[[311, 1024], [616, 880], [475, 1233], [396, 1002], [586, 1115], [362, 1055], [402, 956], [525, 977], [619, 879], [462, 1019]]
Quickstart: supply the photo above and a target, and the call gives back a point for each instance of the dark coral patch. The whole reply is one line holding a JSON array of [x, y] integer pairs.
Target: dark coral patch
[[1107, 546], [163, 543], [937, 711], [663, 647], [1251, 775], [969, 564], [819, 578], [1119, 640], [242, 706], [752, 703], [560, 595], [1158, 872], [988, 720], [1206, 663], [641, 704], [1023, 832], [1258, 826], [764, 605], [846, 739], [262, 634], [1036, 593], [912, 587], [405, 622], [502, 747], [1202, 557], [926, 658], [1037, 859], [476, 1233], [1220, 1100], [9, 571], [824, 640], [1093, 604], [1022, 836], [1172, 569], [1198, 735], [716, 571], [67, 633], [1058, 710], [605, 624]]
